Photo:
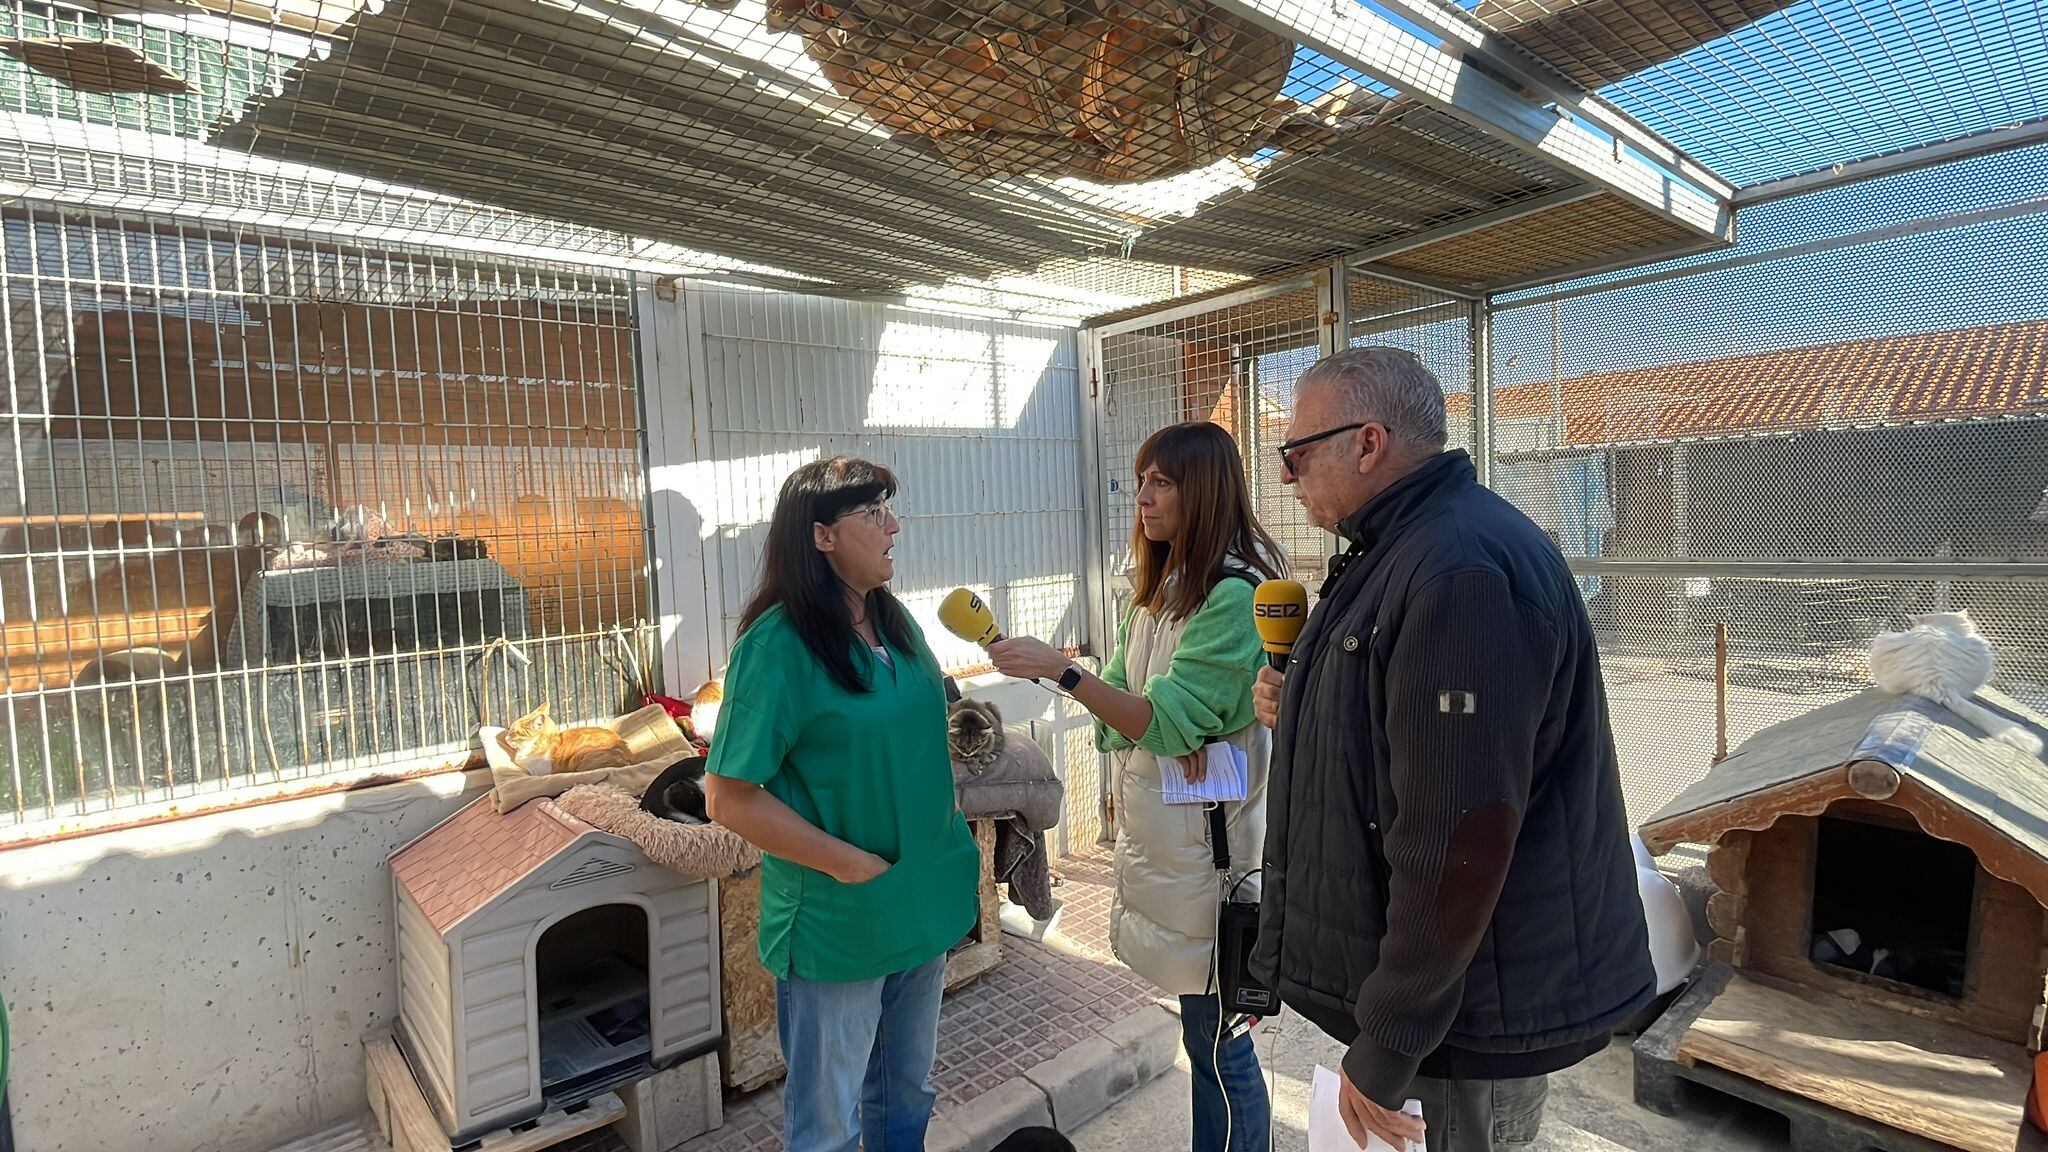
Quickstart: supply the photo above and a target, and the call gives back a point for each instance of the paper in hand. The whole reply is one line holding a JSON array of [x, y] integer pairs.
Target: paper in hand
[[1326, 1130], [1226, 776]]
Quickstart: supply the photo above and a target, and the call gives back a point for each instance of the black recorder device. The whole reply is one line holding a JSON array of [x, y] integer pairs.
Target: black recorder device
[[1237, 931]]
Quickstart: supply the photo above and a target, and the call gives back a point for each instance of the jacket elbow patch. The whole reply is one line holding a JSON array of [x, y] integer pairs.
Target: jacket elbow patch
[[1475, 867]]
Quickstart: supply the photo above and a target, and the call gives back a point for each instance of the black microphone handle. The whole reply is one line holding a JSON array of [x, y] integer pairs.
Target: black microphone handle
[[1277, 661]]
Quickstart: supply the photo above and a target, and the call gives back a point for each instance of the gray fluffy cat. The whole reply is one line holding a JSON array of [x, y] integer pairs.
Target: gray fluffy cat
[[1942, 656]]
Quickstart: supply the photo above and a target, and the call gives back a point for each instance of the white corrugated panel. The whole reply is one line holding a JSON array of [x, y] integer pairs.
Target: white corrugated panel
[[978, 417]]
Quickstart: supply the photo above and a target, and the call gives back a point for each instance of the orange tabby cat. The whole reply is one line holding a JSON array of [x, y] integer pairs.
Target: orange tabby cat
[[537, 745]]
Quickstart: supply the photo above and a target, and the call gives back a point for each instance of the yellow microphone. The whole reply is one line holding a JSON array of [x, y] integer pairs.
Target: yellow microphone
[[1279, 609], [965, 616]]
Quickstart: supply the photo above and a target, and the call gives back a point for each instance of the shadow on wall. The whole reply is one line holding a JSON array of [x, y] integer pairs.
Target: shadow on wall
[[204, 985]]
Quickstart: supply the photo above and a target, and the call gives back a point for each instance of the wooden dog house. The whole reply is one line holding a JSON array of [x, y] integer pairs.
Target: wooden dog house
[[1883, 874]]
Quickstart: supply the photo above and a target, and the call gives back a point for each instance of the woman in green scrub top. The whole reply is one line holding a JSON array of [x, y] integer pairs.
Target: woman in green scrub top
[[830, 755]]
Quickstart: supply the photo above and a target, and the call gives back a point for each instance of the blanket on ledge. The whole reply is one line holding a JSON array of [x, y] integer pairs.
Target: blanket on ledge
[[1009, 780]]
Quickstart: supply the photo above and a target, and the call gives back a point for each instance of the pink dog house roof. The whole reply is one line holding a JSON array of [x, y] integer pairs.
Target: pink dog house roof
[[469, 858]]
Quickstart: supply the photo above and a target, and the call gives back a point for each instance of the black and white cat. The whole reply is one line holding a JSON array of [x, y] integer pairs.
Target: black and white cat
[[1942, 656], [678, 793]]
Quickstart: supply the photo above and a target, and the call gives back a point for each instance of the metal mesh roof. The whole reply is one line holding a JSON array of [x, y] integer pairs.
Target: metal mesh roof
[[869, 144], [849, 146], [1825, 82], [1596, 42]]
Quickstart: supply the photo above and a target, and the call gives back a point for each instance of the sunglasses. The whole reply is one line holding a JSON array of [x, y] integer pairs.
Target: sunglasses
[[1287, 449]]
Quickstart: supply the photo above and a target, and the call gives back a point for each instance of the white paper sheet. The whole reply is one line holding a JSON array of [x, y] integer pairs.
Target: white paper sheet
[[1225, 779], [1326, 1130]]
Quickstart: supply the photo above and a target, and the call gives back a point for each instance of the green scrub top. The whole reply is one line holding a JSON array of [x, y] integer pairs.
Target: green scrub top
[[870, 768]]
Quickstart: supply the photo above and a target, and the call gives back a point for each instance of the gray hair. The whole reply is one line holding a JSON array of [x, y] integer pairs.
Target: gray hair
[[1389, 386]]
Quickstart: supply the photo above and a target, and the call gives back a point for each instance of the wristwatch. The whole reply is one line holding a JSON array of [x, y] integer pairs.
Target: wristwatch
[[1071, 678]]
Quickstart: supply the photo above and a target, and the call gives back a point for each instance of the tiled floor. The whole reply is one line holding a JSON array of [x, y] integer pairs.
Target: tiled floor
[[1040, 1001]]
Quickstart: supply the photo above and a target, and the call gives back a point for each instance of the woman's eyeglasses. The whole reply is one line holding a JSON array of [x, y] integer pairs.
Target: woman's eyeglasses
[[877, 513], [1287, 449]]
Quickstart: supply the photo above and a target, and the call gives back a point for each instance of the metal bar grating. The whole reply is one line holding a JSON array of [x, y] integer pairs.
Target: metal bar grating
[[272, 508]]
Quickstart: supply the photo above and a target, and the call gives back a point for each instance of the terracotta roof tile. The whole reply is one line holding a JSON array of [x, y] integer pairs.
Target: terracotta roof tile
[[1996, 370], [475, 854]]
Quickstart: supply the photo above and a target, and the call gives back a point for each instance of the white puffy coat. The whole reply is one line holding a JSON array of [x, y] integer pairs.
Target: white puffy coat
[[1162, 921]]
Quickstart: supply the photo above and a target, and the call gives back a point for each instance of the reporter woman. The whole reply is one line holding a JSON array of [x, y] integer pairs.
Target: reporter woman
[[1190, 649]]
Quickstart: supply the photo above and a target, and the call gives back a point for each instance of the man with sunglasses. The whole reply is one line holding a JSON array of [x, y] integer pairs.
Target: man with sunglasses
[[1449, 886]]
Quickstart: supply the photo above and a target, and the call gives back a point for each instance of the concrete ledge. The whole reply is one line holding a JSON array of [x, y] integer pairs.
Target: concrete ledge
[[1085, 1080], [1068, 1090], [982, 1122]]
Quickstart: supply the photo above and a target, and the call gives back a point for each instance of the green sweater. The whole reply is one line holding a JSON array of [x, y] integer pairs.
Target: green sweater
[[1207, 689]]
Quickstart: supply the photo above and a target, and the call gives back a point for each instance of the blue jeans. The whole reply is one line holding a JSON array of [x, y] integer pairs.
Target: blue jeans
[[860, 1060], [1230, 1092]]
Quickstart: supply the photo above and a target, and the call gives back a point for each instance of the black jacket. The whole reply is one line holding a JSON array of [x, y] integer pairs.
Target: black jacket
[[1447, 863]]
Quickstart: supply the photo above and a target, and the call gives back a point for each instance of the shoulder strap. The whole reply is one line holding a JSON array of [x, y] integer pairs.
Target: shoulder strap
[[1219, 838], [1229, 571]]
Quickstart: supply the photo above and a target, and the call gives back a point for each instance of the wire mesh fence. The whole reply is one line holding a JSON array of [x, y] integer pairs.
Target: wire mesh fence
[[275, 508], [1235, 366], [1805, 441]]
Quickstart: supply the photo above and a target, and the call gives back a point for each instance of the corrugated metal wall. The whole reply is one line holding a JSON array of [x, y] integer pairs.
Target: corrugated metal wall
[[979, 419], [978, 415]]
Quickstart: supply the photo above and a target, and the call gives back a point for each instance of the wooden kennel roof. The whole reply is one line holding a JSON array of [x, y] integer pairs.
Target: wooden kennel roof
[[1904, 751]]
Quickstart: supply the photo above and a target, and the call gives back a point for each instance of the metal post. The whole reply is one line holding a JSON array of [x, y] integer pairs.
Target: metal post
[[1097, 578], [1557, 420], [1333, 310], [1482, 389], [1720, 691]]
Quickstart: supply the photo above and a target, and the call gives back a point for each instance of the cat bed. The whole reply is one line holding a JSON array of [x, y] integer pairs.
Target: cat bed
[[703, 851], [1107, 90], [655, 740]]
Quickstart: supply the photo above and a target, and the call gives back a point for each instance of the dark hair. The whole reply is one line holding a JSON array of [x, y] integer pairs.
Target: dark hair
[[795, 575], [1216, 520]]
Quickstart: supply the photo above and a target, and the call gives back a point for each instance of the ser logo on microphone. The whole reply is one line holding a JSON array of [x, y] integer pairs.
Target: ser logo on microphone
[[1284, 610]]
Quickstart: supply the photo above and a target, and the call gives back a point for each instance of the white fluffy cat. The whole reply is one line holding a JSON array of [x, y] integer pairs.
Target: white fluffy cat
[[1942, 656]]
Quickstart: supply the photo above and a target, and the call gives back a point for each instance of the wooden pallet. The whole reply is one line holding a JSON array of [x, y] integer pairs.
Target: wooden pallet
[[407, 1122], [1670, 1083]]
